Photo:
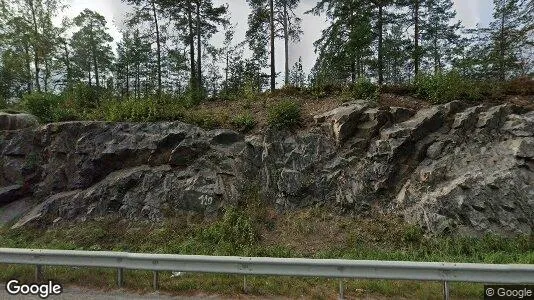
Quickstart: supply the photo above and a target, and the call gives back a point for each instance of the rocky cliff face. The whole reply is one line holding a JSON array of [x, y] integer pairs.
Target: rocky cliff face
[[448, 168]]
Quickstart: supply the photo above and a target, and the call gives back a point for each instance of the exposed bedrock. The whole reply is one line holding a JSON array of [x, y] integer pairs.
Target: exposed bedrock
[[451, 168]]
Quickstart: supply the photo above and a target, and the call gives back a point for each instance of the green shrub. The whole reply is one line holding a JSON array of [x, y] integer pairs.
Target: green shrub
[[3, 102], [205, 119], [84, 96], [285, 114], [363, 89], [413, 234], [139, 110], [234, 233], [244, 122], [399, 89], [446, 87], [324, 90], [43, 105]]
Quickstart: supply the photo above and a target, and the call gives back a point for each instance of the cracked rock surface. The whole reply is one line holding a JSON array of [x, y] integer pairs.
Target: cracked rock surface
[[451, 169]]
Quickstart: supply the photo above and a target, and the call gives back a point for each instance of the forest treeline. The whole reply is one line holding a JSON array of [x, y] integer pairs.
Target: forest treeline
[[166, 47]]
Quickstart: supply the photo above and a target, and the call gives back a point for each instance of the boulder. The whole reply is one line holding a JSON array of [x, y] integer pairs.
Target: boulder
[[17, 121], [343, 120]]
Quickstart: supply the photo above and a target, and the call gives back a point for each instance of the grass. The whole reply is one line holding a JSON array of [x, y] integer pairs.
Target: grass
[[232, 285], [283, 108], [259, 231], [285, 114]]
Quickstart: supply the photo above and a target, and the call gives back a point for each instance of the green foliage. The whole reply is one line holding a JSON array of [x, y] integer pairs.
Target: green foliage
[[244, 122], [250, 95], [446, 87], [49, 107], [234, 233], [3, 102], [413, 234], [43, 105], [284, 114], [205, 119], [363, 89], [324, 90], [83, 96], [140, 110]]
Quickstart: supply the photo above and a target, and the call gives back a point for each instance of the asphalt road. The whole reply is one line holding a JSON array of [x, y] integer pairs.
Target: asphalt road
[[76, 293]]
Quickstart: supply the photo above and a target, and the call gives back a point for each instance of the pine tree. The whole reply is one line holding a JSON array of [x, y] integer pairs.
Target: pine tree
[[91, 45], [16, 56], [196, 21], [291, 30], [442, 41], [37, 16], [208, 18], [269, 20], [509, 34], [150, 11], [396, 53], [381, 16], [344, 45], [297, 74]]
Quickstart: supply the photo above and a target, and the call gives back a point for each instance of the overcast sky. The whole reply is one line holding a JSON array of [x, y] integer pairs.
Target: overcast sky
[[470, 12]]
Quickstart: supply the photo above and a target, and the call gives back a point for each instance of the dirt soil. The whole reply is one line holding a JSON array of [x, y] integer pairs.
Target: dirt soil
[[225, 110]]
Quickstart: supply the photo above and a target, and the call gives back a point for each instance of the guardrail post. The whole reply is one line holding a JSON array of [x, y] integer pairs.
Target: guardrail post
[[120, 277], [341, 289], [38, 273], [446, 291], [155, 280]]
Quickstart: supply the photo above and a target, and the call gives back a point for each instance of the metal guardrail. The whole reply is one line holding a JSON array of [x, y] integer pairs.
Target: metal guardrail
[[329, 268]]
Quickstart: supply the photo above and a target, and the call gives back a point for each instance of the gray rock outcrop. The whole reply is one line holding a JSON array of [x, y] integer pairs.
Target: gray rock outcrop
[[17, 121], [449, 168]]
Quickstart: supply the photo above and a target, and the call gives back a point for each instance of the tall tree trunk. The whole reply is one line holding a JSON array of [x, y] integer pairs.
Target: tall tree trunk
[[93, 50], [353, 71], [97, 75], [416, 37], [137, 80], [273, 67], [158, 45], [502, 50], [226, 71], [89, 77], [191, 47], [127, 80], [67, 66], [437, 63], [380, 44], [28, 69], [46, 75], [359, 65], [35, 46], [199, 48], [286, 43]]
